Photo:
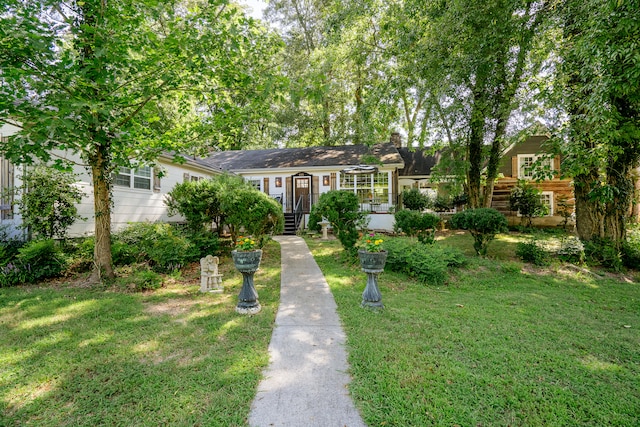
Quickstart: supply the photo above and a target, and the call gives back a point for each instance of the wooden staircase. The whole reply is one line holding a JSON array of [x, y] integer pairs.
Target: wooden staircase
[[289, 224]]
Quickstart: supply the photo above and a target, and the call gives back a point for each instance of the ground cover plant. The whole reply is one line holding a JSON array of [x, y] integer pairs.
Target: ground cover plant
[[73, 355], [503, 343]]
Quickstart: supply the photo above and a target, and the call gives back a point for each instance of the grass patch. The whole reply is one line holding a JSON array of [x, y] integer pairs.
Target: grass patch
[[74, 356], [501, 344]]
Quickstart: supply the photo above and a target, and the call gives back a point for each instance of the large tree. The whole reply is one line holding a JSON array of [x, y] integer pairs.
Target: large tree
[[601, 87], [476, 57], [118, 82]]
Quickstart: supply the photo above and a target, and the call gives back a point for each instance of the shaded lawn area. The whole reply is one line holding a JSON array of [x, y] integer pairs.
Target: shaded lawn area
[[71, 356], [499, 345]]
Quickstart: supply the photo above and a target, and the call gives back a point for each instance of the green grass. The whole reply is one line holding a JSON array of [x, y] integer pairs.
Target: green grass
[[501, 344], [73, 356]]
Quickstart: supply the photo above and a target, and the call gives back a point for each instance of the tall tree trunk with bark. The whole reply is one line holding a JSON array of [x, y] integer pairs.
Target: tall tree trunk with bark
[[103, 267]]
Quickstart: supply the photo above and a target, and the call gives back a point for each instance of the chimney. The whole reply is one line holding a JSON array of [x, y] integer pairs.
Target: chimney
[[396, 139]]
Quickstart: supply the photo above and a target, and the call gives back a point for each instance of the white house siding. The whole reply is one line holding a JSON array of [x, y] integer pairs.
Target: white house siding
[[135, 205]]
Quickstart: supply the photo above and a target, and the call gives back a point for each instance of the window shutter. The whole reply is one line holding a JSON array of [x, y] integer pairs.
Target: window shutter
[[266, 185], [156, 181], [333, 180], [514, 167]]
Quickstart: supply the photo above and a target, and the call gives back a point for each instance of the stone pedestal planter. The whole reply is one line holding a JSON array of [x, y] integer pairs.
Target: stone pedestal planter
[[247, 263], [372, 263]]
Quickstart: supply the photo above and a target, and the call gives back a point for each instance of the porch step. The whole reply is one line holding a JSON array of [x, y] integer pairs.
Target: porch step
[[289, 224]]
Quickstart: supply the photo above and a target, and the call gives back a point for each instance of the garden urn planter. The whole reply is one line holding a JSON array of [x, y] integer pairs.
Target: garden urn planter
[[372, 263], [247, 263]]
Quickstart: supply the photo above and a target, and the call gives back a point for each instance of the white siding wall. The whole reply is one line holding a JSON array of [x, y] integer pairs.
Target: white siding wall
[[131, 204]]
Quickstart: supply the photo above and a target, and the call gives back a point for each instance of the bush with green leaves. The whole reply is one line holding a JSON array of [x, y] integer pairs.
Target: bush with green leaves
[[48, 202], [604, 253], [571, 250], [526, 200], [159, 245], [144, 280], [482, 223], [414, 223], [342, 210], [429, 264], [631, 248], [443, 203], [532, 252], [414, 200], [37, 260], [252, 212], [197, 201]]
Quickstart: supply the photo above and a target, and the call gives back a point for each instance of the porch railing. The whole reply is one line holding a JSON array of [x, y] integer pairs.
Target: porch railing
[[298, 212], [373, 205]]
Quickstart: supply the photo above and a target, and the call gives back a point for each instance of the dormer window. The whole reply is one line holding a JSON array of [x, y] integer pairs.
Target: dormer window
[[527, 165]]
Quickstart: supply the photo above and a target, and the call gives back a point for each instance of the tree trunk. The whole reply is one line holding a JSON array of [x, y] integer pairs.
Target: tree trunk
[[620, 178], [588, 212], [102, 207]]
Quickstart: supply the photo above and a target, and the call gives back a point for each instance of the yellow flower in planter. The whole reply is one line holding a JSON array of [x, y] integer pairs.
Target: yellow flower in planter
[[245, 243], [371, 243]]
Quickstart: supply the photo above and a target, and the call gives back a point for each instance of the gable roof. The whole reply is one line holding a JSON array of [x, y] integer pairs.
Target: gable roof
[[417, 162], [280, 158]]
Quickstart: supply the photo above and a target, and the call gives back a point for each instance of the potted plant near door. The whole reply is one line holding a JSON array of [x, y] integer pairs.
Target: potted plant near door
[[372, 260], [246, 259]]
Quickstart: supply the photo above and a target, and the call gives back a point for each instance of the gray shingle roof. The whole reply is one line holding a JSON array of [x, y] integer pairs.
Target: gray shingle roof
[[345, 155], [417, 162]]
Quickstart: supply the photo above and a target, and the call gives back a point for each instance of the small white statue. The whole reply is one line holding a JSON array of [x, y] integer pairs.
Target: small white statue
[[210, 279]]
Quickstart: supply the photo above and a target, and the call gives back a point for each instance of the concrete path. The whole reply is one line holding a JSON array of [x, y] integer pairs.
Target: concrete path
[[306, 381]]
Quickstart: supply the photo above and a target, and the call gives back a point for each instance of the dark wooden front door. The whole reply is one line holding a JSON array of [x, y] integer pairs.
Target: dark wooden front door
[[302, 188]]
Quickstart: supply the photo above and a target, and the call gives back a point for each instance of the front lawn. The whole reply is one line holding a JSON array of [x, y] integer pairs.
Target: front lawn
[[503, 343], [73, 356]]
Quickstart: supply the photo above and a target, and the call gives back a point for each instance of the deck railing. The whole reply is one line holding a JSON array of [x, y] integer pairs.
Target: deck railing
[[373, 205]]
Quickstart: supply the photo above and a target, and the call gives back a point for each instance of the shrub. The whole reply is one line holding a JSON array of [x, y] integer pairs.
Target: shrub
[[482, 223], [160, 245], [146, 280], [48, 202], [533, 253], [571, 250], [252, 211], [525, 199], [204, 241], [342, 210], [413, 199], [414, 223], [443, 203], [428, 264], [197, 201], [631, 248], [603, 252], [37, 260]]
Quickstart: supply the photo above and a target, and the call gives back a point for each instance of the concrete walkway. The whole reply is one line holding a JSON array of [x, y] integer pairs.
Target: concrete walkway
[[306, 381]]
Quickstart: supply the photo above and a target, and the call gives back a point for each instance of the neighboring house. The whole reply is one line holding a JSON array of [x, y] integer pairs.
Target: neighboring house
[[138, 194], [416, 172], [293, 175], [518, 164]]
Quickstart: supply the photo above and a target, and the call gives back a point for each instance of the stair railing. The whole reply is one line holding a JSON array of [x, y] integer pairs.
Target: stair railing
[[297, 210]]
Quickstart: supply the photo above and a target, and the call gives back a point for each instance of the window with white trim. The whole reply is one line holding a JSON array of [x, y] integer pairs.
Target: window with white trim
[[139, 178], [255, 183], [528, 163], [546, 197], [368, 187]]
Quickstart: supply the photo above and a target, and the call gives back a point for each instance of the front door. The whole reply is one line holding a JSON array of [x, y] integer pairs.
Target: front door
[[302, 186]]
